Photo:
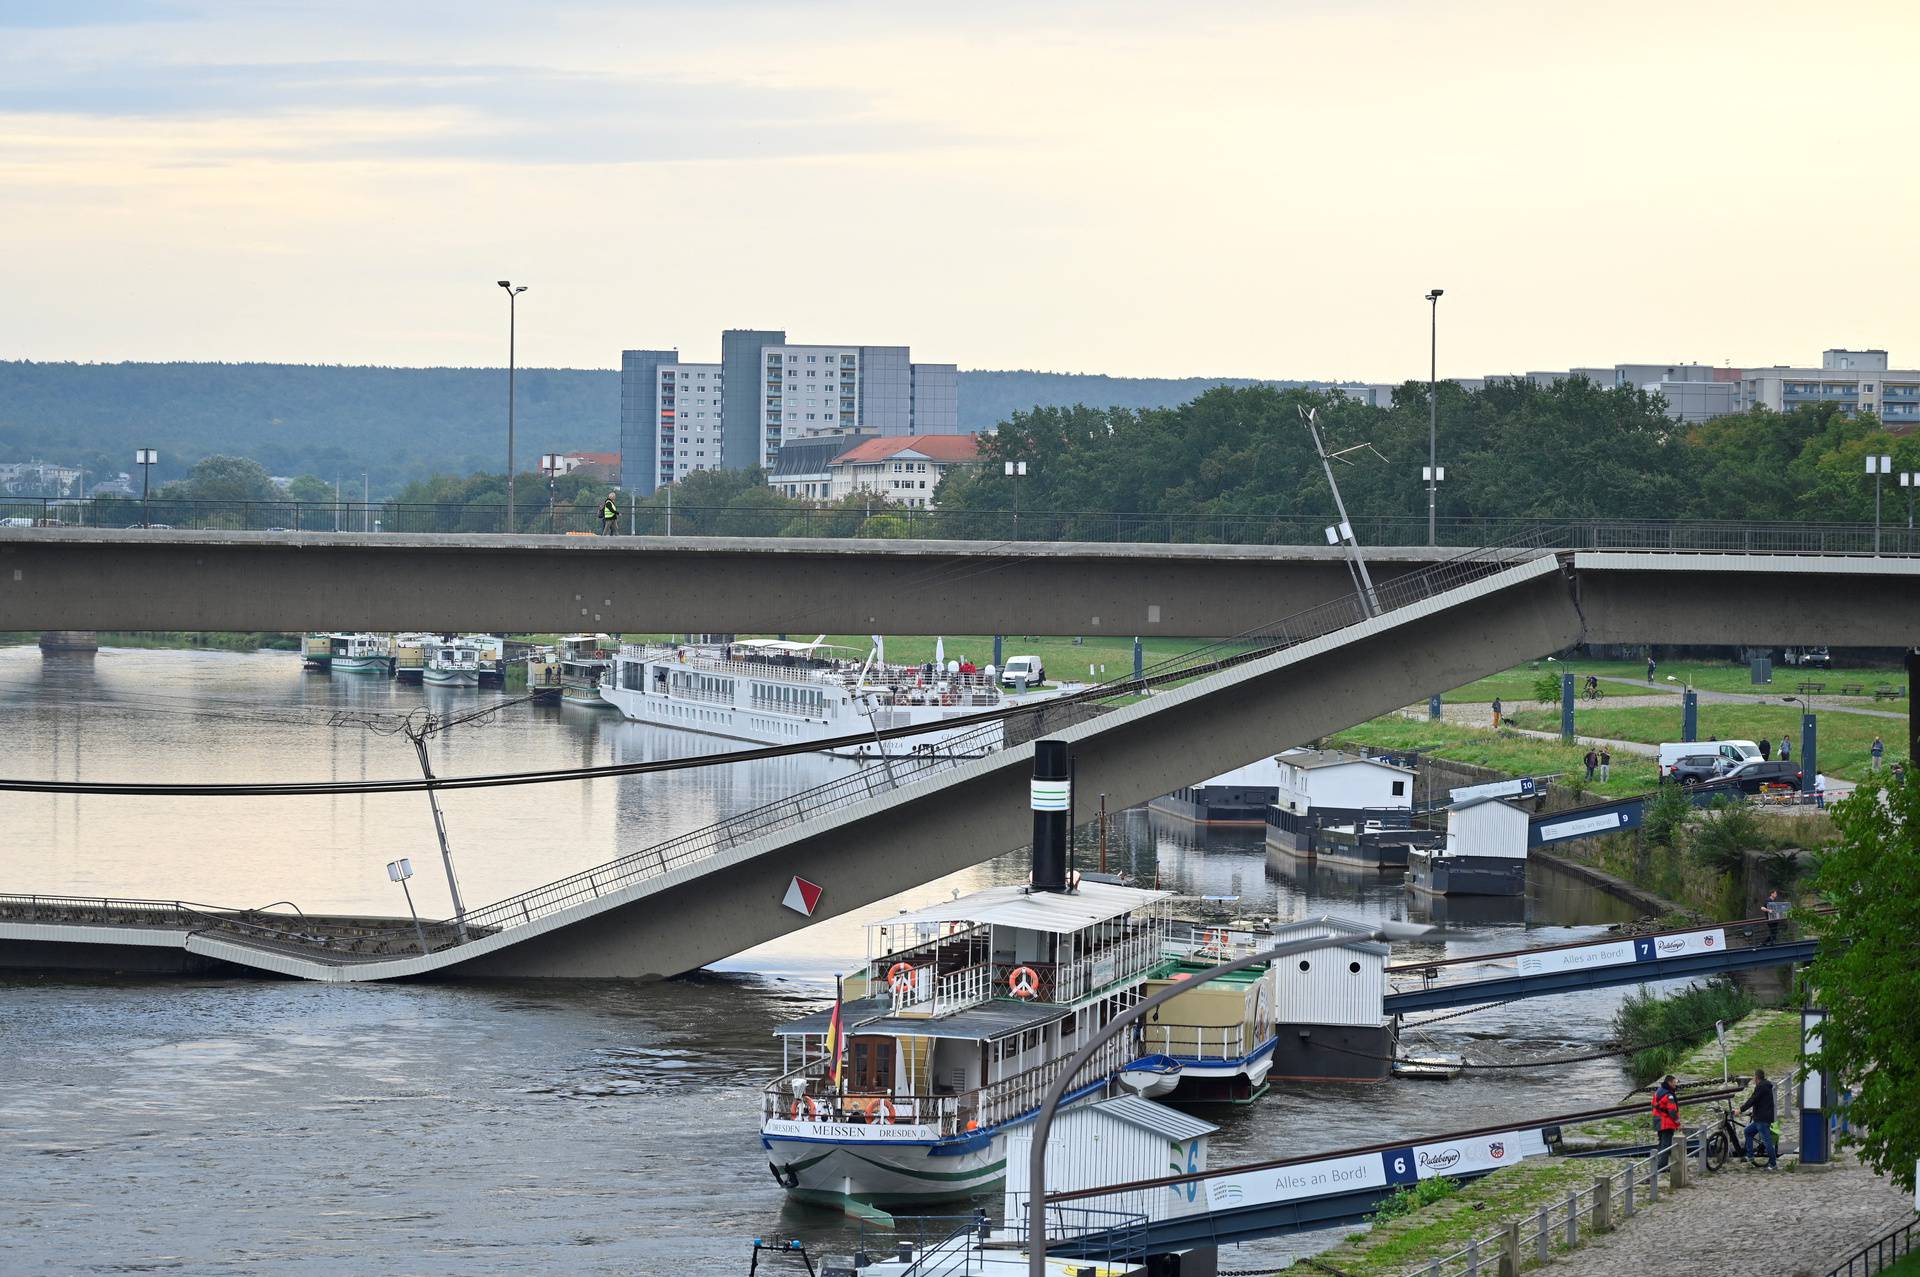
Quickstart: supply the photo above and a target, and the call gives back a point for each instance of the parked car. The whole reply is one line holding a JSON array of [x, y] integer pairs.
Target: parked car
[[1730, 752], [1760, 774], [1692, 769], [1028, 667]]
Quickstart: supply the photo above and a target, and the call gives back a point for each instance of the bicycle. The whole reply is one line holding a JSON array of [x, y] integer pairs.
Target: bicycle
[[1728, 1136]]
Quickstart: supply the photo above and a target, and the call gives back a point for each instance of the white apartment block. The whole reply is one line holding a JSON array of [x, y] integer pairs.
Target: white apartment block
[[806, 391], [689, 435], [1857, 380]]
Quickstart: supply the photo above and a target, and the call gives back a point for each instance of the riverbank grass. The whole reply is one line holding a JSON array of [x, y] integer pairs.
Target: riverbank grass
[[1507, 752], [1844, 738]]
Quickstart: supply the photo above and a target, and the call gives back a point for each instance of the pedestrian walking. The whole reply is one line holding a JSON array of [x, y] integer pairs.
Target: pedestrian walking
[[1786, 749], [1766, 749], [1666, 1115], [609, 513], [1496, 711], [1593, 761], [1606, 763], [1760, 1104], [1649, 669], [1878, 749]]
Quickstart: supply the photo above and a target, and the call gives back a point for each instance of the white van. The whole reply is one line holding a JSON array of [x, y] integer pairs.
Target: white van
[[1730, 752], [1027, 667]]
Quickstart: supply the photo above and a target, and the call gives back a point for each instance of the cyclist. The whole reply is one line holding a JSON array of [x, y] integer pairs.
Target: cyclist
[[1760, 1104], [1593, 687]]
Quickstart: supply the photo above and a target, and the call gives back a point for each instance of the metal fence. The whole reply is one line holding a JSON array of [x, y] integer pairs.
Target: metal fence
[[883, 521], [1559, 1226], [1881, 1253]]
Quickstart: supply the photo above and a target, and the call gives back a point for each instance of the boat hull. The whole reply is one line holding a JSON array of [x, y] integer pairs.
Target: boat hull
[[761, 727], [360, 665], [451, 678], [850, 1166]]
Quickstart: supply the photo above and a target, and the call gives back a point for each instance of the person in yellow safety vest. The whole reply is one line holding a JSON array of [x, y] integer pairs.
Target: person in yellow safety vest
[[1666, 1115], [609, 513]]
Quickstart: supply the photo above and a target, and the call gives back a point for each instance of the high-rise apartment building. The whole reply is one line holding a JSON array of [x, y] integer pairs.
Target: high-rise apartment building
[[676, 418]]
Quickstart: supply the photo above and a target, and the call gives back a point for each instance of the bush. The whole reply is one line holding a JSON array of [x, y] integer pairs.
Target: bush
[[1666, 816], [1546, 689], [1405, 1201], [1667, 1028], [1722, 840]]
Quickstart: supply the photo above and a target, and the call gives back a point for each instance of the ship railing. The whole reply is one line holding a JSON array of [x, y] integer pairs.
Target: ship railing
[[1104, 1237], [1071, 981], [816, 1100], [938, 993], [1199, 1041], [1023, 1092], [925, 952]]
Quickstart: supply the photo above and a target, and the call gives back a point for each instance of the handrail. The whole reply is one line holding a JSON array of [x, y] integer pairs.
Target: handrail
[[1881, 1253], [1761, 921]]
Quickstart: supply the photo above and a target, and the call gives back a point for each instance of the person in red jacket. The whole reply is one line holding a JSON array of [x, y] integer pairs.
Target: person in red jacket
[[1666, 1115]]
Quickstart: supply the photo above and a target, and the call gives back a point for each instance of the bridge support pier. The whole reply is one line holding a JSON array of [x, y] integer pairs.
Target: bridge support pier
[[69, 641]]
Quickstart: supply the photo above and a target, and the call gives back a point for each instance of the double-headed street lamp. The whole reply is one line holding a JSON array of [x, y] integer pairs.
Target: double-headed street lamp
[[1878, 466], [1043, 1120], [1016, 469], [145, 458], [513, 298], [1433, 474], [1910, 480], [550, 466]]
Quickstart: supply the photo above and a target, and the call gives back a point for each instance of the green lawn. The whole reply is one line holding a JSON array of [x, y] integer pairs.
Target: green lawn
[[1844, 737], [1504, 751], [1515, 686]]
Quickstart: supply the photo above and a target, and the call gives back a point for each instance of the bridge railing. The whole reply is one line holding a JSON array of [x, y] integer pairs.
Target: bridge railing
[[651, 520]]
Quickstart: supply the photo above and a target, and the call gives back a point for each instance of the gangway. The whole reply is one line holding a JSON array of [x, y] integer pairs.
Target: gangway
[[1319, 1190], [1595, 964]]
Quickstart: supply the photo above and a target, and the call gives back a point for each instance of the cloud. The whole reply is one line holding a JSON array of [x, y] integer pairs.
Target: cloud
[[487, 112]]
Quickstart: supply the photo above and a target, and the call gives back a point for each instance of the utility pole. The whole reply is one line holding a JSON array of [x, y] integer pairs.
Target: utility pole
[[1344, 532], [419, 738], [1433, 416]]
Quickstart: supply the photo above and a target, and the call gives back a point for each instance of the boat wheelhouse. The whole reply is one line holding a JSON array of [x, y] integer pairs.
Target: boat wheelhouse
[[586, 663], [775, 692], [969, 1010], [316, 650]]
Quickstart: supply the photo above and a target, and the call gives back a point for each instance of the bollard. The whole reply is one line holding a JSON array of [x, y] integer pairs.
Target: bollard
[[1678, 1163], [1653, 1180], [1473, 1257], [1626, 1202], [1603, 1204], [1510, 1250], [1701, 1170], [1541, 1235], [1573, 1220]]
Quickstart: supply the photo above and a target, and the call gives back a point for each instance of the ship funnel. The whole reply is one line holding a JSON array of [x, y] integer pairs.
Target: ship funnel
[[1052, 799]]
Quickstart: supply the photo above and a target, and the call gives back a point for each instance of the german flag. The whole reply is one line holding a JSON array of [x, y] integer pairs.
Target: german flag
[[836, 1045]]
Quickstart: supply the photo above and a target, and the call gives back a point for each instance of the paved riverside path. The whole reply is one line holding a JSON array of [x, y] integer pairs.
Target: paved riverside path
[[1741, 1220]]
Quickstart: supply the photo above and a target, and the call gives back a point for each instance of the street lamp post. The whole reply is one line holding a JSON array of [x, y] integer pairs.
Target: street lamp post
[[1910, 480], [550, 466], [513, 307], [1043, 1120], [1016, 469], [1433, 473], [399, 871], [146, 457], [1878, 466]]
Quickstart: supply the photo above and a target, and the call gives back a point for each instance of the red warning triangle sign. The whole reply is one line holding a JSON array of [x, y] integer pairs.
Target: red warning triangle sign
[[802, 895]]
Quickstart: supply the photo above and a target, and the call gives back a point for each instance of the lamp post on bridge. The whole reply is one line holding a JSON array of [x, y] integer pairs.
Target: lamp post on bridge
[[1015, 471], [1877, 466], [399, 871], [1910, 480], [1432, 472], [146, 458], [1043, 1119], [550, 466], [513, 315]]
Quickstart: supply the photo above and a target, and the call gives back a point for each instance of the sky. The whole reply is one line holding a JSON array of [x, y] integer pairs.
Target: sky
[[1210, 188]]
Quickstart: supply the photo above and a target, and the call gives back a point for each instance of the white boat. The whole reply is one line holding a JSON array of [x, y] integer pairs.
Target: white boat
[[362, 654], [452, 663], [410, 655], [1215, 1042], [982, 1001], [774, 692]]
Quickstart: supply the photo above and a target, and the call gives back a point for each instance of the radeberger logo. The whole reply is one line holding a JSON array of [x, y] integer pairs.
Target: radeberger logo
[[1444, 1160]]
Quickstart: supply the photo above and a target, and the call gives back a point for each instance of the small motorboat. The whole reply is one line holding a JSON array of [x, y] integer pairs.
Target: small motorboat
[[1151, 1075]]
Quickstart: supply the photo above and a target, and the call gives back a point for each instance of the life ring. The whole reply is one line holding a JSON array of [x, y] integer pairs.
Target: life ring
[[900, 977], [1215, 940], [811, 1105], [1024, 982], [884, 1112]]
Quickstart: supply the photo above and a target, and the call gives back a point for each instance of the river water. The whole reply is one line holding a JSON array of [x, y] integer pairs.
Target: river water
[[240, 1126]]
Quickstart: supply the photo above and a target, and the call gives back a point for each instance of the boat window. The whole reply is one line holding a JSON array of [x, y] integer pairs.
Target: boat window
[[872, 1064]]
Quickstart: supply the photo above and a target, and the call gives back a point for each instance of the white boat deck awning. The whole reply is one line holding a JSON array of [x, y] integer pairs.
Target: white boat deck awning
[[1016, 906]]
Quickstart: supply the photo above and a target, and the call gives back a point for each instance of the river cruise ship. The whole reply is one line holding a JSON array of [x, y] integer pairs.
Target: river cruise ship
[[966, 1012], [773, 692]]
